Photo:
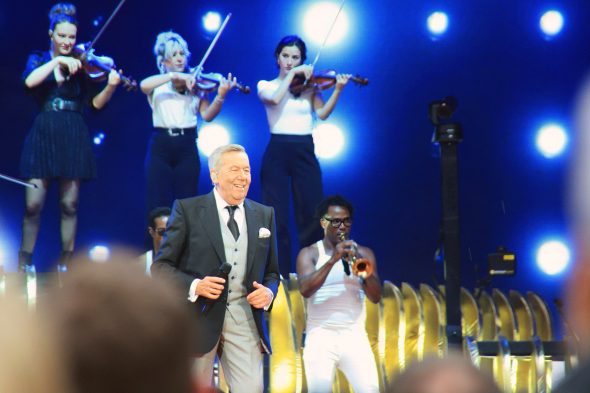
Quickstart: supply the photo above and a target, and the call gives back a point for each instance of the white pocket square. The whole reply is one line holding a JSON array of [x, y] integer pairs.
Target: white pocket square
[[263, 233]]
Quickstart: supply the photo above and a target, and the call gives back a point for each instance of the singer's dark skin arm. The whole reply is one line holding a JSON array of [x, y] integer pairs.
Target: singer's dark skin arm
[[310, 279]]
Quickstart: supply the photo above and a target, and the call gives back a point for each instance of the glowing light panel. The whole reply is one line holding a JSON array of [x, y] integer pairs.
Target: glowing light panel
[[211, 21], [318, 19], [551, 23], [551, 140], [437, 23], [211, 136], [328, 140], [553, 257], [8, 260], [99, 253]]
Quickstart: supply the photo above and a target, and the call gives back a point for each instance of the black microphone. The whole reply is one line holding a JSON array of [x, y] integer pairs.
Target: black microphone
[[222, 272], [346, 266]]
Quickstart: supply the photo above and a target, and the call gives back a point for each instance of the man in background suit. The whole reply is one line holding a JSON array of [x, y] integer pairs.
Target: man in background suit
[[158, 219], [205, 232]]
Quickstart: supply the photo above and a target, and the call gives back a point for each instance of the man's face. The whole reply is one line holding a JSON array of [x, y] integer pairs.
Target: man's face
[[232, 178], [157, 233], [336, 223]]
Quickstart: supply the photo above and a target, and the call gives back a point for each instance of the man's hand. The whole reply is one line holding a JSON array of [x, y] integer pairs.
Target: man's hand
[[344, 249], [210, 287], [261, 297]]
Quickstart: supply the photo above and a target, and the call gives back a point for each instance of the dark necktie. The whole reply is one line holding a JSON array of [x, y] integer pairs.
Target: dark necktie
[[231, 223]]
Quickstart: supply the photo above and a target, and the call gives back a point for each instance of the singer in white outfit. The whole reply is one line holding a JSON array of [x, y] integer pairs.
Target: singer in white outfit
[[335, 328]]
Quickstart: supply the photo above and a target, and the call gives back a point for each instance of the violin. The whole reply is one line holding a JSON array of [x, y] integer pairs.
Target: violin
[[206, 82], [210, 81], [320, 81], [98, 67]]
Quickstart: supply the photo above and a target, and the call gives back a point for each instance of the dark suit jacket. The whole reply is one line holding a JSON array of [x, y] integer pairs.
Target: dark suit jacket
[[193, 248]]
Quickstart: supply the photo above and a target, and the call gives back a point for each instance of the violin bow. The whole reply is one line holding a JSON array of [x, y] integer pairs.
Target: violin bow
[[317, 56], [17, 181], [103, 28], [199, 68]]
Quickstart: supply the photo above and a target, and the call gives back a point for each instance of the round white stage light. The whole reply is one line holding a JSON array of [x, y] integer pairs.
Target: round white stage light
[[99, 253], [553, 257], [318, 19], [211, 136], [551, 23], [437, 23], [211, 21], [329, 140], [551, 140]]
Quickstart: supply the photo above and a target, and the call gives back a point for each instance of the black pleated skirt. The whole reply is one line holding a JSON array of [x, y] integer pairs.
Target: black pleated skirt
[[58, 146]]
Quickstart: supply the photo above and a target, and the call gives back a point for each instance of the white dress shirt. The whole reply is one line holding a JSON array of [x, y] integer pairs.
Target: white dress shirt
[[239, 216]]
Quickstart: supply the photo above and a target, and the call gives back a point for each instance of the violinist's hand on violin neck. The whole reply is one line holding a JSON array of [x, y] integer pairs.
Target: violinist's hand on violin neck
[[342, 80], [114, 77], [226, 84]]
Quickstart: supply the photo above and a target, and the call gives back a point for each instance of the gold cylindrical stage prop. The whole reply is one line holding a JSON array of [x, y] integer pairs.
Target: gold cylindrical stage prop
[[409, 324]]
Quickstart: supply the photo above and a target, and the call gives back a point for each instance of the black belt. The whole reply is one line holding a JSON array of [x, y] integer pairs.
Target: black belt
[[176, 131], [59, 104]]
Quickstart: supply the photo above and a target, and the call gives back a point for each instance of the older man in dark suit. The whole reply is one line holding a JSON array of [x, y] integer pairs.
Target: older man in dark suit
[[206, 232]]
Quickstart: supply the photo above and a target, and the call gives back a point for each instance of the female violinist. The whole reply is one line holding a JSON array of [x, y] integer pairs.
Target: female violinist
[[58, 145], [289, 161], [172, 162]]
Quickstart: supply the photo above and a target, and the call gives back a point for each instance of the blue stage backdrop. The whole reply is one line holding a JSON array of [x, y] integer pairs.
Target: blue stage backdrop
[[508, 78]]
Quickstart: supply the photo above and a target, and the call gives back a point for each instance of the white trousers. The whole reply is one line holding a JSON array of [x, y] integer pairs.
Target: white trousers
[[346, 349]]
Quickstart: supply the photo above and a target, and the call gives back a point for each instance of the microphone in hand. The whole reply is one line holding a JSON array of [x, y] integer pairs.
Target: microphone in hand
[[222, 272], [346, 266]]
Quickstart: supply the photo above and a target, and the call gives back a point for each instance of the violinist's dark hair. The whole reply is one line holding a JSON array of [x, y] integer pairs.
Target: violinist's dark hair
[[161, 211], [332, 200], [292, 40], [62, 12]]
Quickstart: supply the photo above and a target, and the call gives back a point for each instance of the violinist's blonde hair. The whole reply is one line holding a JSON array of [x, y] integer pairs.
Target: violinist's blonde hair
[[166, 44]]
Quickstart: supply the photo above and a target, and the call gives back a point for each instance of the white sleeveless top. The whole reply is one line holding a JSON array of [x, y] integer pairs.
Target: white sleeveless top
[[293, 115], [340, 301]]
